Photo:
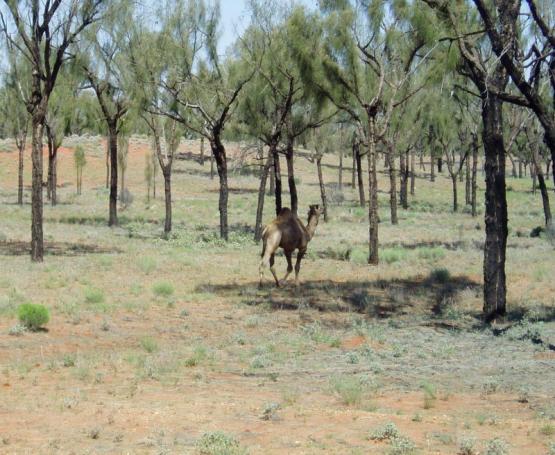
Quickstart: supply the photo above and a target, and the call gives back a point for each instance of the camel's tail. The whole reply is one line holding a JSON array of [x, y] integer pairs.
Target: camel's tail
[[264, 241]]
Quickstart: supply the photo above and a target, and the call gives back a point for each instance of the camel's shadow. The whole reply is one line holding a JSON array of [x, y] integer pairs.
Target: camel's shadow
[[425, 295]]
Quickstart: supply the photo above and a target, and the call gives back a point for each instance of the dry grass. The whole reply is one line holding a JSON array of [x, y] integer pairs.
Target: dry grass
[[154, 343]]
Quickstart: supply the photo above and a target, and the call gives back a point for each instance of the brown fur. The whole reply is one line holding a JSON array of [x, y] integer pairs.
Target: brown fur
[[288, 232]]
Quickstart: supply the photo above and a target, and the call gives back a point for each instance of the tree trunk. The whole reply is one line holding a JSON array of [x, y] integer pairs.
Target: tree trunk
[[373, 256], [533, 173], [422, 165], [49, 166], [495, 289], [519, 169], [432, 167], [404, 179], [474, 182], [454, 186], [212, 166], [277, 177], [322, 187], [113, 143], [353, 171], [167, 173], [361, 197], [37, 239], [392, 186], [261, 193], [202, 151], [543, 189], [54, 181], [340, 185], [440, 165], [272, 189], [412, 172], [108, 162], [20, 174], [291, 177], [468, 184], [218, 152]]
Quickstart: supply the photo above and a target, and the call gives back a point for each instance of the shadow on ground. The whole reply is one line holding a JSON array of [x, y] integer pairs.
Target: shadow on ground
[[380, 298], [18, 248]]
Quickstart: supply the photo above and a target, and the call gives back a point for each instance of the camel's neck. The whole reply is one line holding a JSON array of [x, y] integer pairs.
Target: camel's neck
[[311, 226]]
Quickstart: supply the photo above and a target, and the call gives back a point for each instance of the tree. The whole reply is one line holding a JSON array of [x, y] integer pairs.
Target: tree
[[80, 161], [43, 32], [490, 79], [104, 65], [358, 61]]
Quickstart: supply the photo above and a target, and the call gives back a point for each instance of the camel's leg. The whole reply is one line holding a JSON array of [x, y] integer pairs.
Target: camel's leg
[[273, 270], [289, 267], [300, 255]]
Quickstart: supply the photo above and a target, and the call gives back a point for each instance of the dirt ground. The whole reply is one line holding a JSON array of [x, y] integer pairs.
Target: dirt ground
[[154, 344]]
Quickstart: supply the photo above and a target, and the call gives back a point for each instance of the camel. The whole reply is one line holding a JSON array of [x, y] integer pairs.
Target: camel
[[288, 232]]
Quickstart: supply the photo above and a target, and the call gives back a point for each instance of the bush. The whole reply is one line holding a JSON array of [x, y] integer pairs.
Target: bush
[[387, 432], [432, 254], [163, 289], [441, 275], [219, 443], [94, 295], [391, 255], [497, 446], [32, 316]]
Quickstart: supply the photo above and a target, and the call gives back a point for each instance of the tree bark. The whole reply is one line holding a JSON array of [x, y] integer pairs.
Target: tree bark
[[454, 186], [218, 152], [353, 170], [361, 197], [166, 172], [212, 166], [543, 188], [113, 144], [340, 170], [392, 186], [495, 288], [412, 172], [432, 167], [202, 151], [261, 194], [37, 238], [439, 165], [277, 177], [108, 162], [468, 183], [21, 149], [519, 169], [404, 179], [373, 255], [272, 189], [322, 187], [291, 177]]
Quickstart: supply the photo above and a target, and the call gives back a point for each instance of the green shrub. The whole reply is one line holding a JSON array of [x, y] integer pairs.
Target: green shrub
[[391, 255], [94, 295], [147, 265], [149, 344], [349, 388], [219, 443], [497, 446], [431, 254], [440, 275], [33, 316], [163, 289], [386, 432]]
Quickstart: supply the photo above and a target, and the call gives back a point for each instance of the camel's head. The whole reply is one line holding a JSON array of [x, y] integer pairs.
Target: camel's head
[[314, 210]]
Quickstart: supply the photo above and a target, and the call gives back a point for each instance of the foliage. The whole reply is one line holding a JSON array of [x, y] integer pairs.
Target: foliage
[[33, 316], [219, 443]]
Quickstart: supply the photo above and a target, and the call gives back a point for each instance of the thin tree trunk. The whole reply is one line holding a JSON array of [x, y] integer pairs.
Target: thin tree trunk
[[353, 171], [50, 146], [341, 169], [166, 172], [468, 183], [422, 165], [322, 187], [261, 195], [361, 197], [412, 172], [432, 167], [454, 186], [218, 152], [272, 189], [404, 179], [519, 169], [495, 288], [291, 177], [37, 238], [113, 142], [54, 182], [108, 162], [543, 189], [277, 177], [373, 256], [211, 166], [533, 174], [439, 165], [392, 186], [202, 151], [20, 174], [474, 176]]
